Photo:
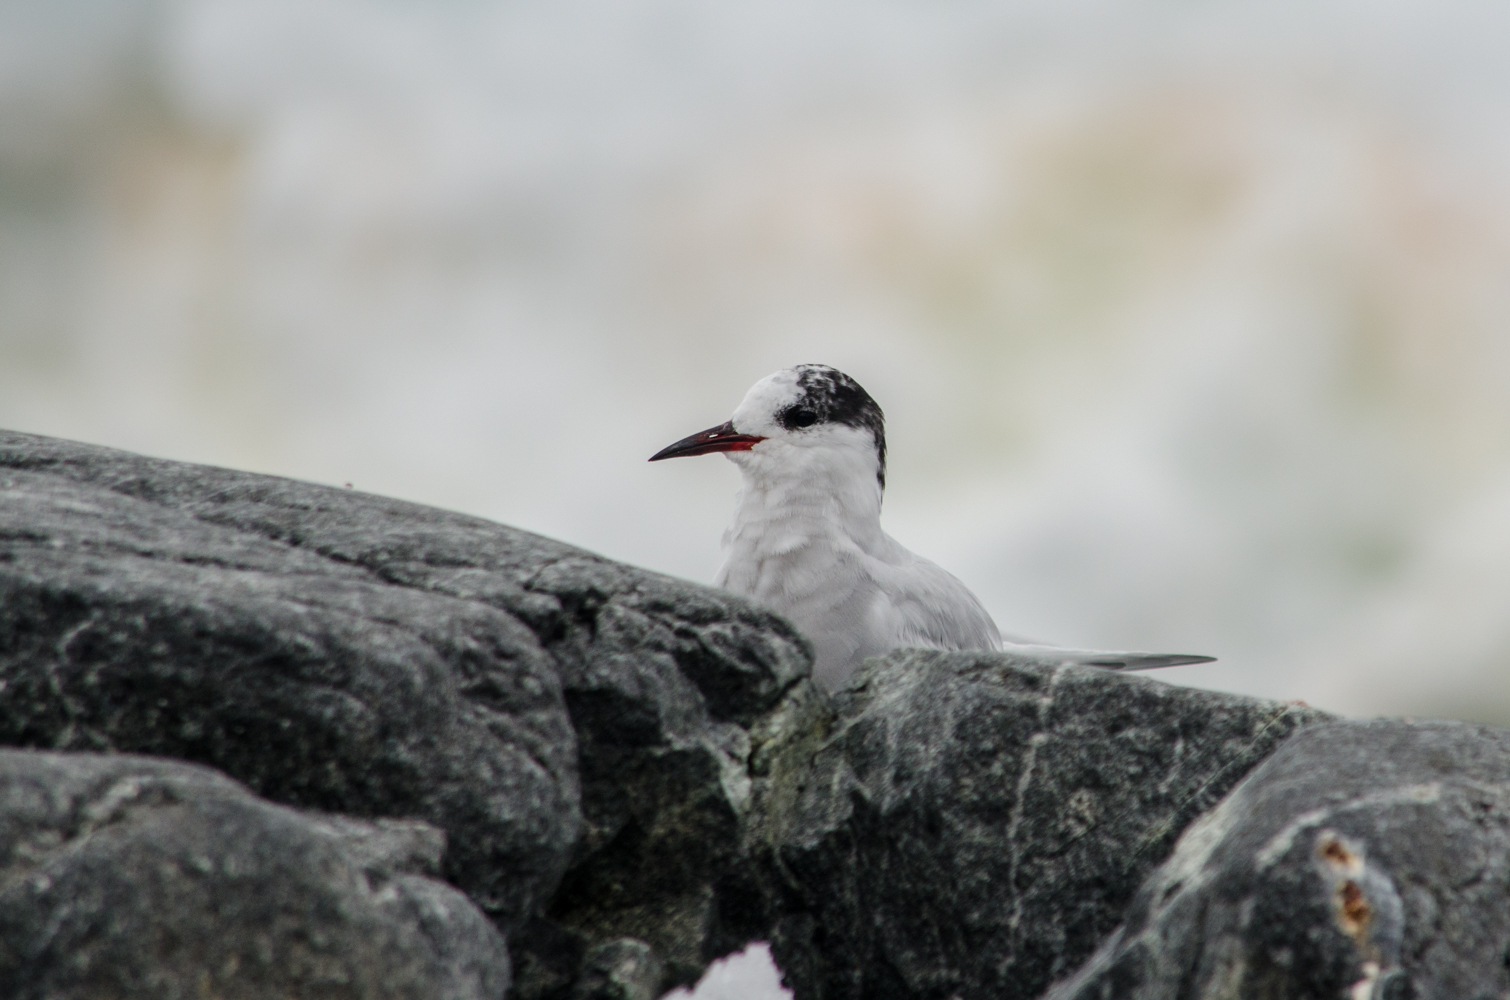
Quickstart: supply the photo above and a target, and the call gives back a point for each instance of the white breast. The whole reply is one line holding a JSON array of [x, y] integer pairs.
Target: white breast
[[852, 597]]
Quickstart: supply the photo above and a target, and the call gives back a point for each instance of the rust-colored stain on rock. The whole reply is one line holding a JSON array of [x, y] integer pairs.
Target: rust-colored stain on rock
[[1333, 850], [1353, 912]]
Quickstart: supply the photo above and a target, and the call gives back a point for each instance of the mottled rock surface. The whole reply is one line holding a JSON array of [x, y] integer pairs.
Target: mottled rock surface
[[624, 969], [1364, 860], [975, 824], [125, 876], [579, 728]]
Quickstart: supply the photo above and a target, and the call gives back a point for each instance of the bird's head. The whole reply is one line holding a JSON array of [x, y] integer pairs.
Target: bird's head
[[811, 420]]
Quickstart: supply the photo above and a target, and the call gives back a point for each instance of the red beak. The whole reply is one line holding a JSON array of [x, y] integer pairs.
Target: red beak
[[720, 438]]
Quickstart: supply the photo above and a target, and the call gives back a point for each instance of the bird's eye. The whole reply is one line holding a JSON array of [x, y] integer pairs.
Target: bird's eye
[[799, 417]]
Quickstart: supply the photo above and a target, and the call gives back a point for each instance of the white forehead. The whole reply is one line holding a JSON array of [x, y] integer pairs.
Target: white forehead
[[766, 398]]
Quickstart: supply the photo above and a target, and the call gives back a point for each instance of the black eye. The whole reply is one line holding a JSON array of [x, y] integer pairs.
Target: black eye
[[799, 416]]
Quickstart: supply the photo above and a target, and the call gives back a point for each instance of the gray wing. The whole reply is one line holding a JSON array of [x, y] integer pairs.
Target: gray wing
[[921, 604], [929, 607]]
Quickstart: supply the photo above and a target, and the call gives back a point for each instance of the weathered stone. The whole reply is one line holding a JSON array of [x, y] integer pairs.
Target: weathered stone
[[975, 824], [554, 712], [125, 876], [666, 788], [1366, 860], [634, 772], [624, 969], [131, 624]]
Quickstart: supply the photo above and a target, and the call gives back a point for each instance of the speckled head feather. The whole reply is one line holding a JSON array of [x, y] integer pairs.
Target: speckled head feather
[[828, 396]]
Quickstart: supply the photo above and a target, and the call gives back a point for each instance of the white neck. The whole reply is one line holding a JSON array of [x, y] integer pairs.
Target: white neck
[[794, 495]]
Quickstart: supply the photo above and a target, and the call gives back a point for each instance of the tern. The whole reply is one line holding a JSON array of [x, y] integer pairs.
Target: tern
[[806, 540]]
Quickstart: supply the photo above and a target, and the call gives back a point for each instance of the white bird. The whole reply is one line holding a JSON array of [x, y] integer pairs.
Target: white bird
[[806, 540]]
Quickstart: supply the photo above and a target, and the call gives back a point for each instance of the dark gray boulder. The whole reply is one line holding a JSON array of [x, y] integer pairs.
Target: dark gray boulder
[[634, 773], [1364, 860], [126, 876], [670, 687], [624, 969], [973, 825], [131, 619], [579, 728]]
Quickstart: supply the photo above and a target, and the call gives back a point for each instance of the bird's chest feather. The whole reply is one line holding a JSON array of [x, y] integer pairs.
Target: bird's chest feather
[[797, 571]]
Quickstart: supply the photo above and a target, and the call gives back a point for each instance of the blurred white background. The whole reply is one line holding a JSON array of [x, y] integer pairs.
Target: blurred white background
[[1191, 319]]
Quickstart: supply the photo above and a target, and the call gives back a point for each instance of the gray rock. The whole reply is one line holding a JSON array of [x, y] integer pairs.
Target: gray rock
[[1365, 860], [633, 772], [664, 684], [624, 969], [975, 824], [125, 876], [555, 713], [131, 620], [682, 868]]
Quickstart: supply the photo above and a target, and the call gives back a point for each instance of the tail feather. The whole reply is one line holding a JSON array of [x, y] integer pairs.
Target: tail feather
[[1146, 661], [1105, 659]]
